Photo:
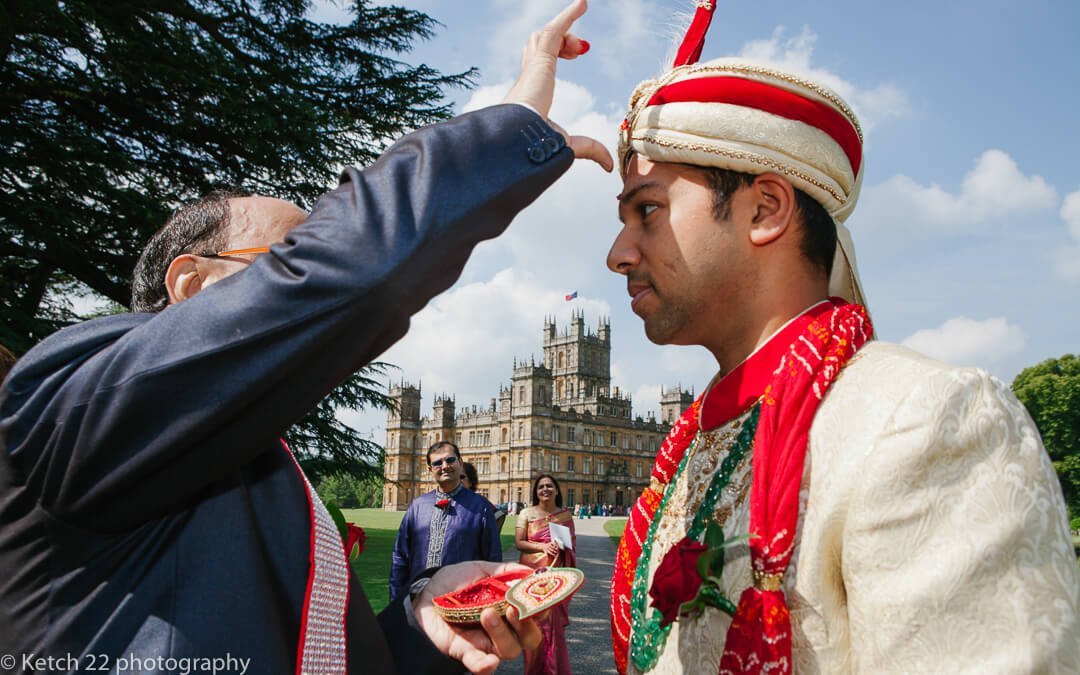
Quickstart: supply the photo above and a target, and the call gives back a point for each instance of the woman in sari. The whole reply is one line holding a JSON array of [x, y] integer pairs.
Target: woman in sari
[[533, 538]]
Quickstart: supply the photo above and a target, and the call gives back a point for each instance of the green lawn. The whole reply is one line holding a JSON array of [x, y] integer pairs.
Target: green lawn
[[615, 529], [373, 565]]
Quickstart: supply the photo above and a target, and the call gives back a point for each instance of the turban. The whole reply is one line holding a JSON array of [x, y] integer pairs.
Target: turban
[[753, 118]]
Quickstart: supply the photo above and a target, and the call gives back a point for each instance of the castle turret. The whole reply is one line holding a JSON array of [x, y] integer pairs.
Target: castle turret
[[673, 402]]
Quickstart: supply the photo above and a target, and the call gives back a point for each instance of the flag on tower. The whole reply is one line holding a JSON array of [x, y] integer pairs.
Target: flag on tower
[[571, 296]]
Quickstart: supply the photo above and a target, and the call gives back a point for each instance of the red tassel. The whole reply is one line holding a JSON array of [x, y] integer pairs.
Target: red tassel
[[690, 49]]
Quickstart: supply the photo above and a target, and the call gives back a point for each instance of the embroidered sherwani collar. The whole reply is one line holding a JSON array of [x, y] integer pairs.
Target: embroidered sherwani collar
[[439, 494], [731, 394]]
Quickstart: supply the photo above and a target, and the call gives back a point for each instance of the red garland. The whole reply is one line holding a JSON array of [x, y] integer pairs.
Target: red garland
[[443, 503], [762, 625], [760, 633], [637, 527]]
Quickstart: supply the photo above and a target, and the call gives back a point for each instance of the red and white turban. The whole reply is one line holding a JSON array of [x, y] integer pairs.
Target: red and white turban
[[753, 118]]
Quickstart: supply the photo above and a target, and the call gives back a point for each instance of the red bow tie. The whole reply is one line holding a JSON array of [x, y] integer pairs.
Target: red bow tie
[[443, 503]]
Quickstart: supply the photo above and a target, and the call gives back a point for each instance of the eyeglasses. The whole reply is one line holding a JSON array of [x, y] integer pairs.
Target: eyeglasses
[[237, 251], [450, 461]]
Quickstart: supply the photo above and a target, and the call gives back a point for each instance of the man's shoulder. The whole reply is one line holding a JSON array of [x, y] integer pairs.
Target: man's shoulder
[[890, 372], [885, 380], [423, 498], [472, 500], [69, 347]]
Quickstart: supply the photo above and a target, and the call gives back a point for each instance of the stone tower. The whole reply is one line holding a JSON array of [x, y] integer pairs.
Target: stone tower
[[673, 402], [402, 445], [579, 361]]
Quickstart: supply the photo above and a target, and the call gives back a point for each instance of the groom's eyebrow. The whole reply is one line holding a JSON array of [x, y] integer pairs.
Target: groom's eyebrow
[[626, 198]]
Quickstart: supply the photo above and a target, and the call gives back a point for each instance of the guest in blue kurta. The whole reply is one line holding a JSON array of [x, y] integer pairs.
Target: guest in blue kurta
[[448, 525]]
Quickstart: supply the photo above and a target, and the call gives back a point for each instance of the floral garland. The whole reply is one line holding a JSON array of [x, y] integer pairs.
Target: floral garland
[[671, 453], [649, 631], [794, 370]]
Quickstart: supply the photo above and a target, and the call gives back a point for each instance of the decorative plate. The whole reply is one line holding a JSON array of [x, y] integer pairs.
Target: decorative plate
[[464, 605], [543, 589]]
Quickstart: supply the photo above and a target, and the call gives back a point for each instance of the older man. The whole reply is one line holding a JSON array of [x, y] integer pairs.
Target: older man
[[152, 516], [450, 524], [902, 515]]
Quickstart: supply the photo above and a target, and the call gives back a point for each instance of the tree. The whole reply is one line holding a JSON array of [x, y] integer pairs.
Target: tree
[[114, 113], [1051, 393]]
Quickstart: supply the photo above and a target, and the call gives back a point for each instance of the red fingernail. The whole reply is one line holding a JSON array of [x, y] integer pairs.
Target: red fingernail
[[585, 46]]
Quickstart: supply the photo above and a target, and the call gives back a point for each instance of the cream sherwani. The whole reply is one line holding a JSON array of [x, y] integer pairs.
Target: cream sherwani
[[932, 534]]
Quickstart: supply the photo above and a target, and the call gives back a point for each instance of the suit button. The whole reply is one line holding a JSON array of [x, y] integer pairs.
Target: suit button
[[537, 154]]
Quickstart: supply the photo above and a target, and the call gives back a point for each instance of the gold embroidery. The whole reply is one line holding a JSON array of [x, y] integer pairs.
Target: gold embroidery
[[749, 156], [764, 581]]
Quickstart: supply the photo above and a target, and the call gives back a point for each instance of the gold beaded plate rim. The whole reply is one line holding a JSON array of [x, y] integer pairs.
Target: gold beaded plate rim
[[572, 576]]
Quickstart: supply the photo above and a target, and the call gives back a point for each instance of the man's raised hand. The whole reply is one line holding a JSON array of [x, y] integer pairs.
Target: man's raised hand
[[535, 87]]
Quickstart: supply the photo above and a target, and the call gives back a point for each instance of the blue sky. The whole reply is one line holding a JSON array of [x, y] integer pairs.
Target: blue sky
[[967, 231]]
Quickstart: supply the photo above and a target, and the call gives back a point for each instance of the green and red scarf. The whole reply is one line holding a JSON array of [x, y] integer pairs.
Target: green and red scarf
[[789, 374]]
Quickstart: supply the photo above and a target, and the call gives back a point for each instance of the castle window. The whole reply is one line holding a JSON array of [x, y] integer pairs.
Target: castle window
[[599, 465], [521, 394], [521, 431], [560, 359], [505, 465], [505, 435], [626, 442], [570, 463], [640, 469], [554, 463], [614, 440], [543, 394], [586, 466], [556, 434], [570, 497], [638, 443], [571, 434], [521, 461]]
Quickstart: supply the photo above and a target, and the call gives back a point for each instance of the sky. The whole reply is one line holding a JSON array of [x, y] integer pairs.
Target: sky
[[967, 231]]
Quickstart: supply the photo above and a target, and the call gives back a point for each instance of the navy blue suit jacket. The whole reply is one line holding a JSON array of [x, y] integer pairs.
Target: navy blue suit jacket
[[147, 507], [470, 535]]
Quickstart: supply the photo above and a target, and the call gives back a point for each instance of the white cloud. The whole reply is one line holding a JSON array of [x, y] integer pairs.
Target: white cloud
[[646, 399], [465, 341], [511, 34], [1070, 213], [1067, 263], [966, 342], [1066, 259], [871, 105], [994, 188]]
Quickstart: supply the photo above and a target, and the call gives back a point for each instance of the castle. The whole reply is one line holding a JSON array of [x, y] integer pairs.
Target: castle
[[560, 416]]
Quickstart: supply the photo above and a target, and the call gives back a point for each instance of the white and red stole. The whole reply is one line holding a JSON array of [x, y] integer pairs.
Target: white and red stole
[[322, 645], [789, 374]]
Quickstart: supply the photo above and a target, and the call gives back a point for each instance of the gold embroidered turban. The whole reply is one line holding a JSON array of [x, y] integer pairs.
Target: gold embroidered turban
[[753, 118]]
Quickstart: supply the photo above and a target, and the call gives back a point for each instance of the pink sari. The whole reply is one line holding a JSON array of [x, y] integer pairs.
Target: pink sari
[[551, 657]]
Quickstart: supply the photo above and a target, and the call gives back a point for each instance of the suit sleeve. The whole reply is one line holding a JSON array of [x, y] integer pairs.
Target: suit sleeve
[[492, 542], [400, 563], [956, 555], [143, 425]]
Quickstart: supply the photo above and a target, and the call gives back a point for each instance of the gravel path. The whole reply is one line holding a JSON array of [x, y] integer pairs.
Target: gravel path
[[588, 636]]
